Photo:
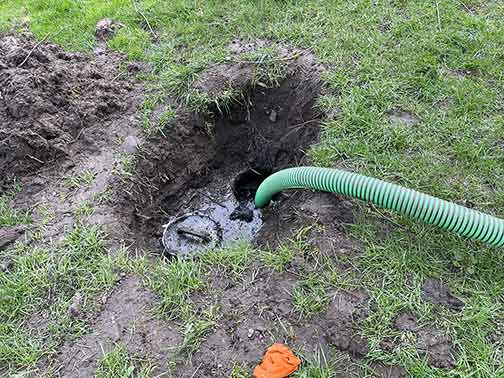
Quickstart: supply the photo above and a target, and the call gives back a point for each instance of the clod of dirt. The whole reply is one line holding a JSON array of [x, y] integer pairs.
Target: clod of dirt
[[74, 310], [106, 29], [388, 371], [47, 104], [9, 235], [6, 265], [130, 144], [219, 78], [406, 322], [437, 347], [358, 347], [434, 291], [388, 344], [329, 208], [242, 213]]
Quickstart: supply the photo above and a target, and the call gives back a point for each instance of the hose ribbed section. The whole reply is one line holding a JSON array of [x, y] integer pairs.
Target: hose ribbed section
[[431, 210]]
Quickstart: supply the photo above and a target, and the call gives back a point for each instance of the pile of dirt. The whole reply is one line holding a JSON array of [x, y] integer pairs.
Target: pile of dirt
[[48, 98]]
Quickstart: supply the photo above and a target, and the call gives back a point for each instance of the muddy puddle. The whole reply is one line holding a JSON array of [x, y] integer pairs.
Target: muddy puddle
[[218, 223]]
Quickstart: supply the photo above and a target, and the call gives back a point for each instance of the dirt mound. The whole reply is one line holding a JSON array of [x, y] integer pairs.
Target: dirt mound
[[438, 347], [48, 97]]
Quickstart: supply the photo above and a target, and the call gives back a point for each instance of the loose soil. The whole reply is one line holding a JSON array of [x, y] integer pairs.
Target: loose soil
[[64, 114]]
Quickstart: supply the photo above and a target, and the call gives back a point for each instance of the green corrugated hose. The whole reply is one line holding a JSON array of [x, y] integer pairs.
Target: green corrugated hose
[[447, 215]]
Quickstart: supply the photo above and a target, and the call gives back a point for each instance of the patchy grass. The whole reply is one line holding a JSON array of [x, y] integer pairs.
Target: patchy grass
[[239, 371], [279, 258], [83, 179], [44, 280], [125, 166], [310, 297], [83, 211], [319, 366], [12, 217], [117, 363], [195, 330], [233, 259], [174, 281]]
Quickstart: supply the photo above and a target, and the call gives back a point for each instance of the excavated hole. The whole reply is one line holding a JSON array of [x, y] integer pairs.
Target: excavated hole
[[245, 184], [194, 177]]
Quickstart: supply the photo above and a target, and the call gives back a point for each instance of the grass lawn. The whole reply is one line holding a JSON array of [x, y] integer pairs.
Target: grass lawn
[[416, 90]]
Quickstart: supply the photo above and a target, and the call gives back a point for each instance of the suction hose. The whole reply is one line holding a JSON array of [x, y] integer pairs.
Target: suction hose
[[431, 210]]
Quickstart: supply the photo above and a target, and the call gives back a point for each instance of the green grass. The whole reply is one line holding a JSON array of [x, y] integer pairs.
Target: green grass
[[195, 330], [239, 371], [283, 255], [83, 179], [310, 297], [440, 61], [125, 166], [46, 279], [10, 216], [319, 365], [117, 363], [174, 281], [233, 259]]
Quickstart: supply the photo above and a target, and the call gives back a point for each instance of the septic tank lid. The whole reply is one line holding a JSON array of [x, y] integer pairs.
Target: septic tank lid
[[191, 234]]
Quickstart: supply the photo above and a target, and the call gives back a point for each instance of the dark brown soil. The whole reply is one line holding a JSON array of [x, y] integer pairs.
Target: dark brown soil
[[204, 154], [49, 101], [62, 114], [437, 346], [259, 312], [405, 322], [8, 235]]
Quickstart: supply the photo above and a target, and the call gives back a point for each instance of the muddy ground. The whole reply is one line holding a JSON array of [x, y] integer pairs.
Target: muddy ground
[[64, 114]]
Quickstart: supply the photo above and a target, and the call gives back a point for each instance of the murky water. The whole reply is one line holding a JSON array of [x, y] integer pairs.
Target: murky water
[[212, 225]]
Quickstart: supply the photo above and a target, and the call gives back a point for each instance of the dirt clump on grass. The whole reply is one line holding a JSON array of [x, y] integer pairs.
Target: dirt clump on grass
[[433, 343], [436, 292], [438, 347]]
